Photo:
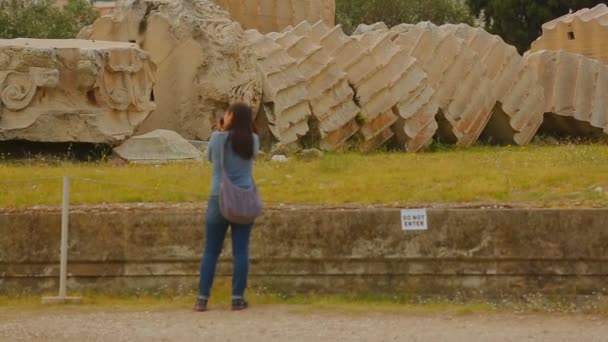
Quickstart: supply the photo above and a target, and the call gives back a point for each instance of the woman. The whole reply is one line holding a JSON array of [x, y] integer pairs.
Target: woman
[[240, 145]]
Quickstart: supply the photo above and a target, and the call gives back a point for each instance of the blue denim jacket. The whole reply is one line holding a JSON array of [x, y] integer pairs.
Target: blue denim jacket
[[239, 170]]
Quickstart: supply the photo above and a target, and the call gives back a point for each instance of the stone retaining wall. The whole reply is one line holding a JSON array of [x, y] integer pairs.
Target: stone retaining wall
[[492, 252]]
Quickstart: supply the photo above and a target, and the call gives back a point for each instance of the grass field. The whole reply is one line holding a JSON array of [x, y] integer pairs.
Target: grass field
[[353, 303], [536, 176]]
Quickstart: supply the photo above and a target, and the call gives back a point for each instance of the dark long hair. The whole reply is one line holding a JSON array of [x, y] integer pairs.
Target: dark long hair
[[241, 130]]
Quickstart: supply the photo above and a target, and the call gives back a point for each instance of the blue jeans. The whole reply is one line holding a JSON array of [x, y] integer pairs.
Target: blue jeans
[[215, 232]]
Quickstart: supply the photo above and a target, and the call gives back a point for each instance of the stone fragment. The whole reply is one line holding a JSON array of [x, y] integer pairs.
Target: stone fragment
[[203, 61], [520, 111], [364, 28], [465, 94], [584, 32], [200, 145], [330, 96], [73, 90], [575, 93], [157, 146], [310, 154], [275, 15], [279, 158]]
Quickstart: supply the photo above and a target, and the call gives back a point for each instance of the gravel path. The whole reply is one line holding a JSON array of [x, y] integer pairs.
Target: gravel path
[[290, 323]]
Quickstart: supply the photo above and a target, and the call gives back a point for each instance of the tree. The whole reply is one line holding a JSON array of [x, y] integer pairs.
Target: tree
[[40, 19], [351, 13], [519, 22]]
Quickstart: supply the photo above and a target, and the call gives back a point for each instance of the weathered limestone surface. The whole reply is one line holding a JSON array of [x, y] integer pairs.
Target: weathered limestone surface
[[275, 15], [401, 84], [390, 87], [489, 252], [331, 98], [584, 32], [73, 90], [463, 89], [285, 109], [203, 61], [375, 27], [157, 146], [575, 88], [353, 59], [520, 95]]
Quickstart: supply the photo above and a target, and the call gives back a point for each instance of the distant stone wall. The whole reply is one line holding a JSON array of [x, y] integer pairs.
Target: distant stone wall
[[489, 252]]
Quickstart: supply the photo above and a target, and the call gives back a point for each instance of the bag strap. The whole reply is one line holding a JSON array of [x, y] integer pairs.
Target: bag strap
[[222, 154]]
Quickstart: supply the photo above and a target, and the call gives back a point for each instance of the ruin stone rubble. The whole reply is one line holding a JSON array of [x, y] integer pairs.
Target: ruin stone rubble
[[73, 90], [520, 95], [584, 32], [157, 146], [313, 83], [375, 27], [463, 90], [203, 61], [275, 15], [389, 83], [575, 93], [285, 109], [331, 98], [401, 83]]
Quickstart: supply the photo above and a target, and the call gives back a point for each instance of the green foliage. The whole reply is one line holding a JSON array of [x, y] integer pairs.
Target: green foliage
[[351, 13], [361, 118], [41, 19], [519, 22]]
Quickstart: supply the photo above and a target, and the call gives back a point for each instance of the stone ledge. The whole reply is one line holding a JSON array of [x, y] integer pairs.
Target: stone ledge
[[492, 251]]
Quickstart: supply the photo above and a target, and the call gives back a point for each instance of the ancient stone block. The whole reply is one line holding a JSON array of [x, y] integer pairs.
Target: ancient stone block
[[285, 109], [584, 32], [275, 15], [375, 27], [575, 92], [73, 90], [463, 89], [519, 93], [203, 61], [388, 85], [330, 96], [406, 90], [157, 146]]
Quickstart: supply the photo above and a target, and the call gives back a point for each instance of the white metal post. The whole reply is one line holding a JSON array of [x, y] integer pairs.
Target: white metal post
[[65, 209], [63, 259]]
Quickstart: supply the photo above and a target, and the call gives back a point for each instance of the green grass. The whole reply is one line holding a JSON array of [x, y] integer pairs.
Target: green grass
[[537, 176], [354, 304], [357, 303]]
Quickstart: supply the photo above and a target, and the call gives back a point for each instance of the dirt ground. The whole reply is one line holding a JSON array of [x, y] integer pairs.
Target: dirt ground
[[291, 323]]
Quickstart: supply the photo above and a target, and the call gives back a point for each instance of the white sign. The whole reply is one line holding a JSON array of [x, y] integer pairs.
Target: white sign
[[414, 219]]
